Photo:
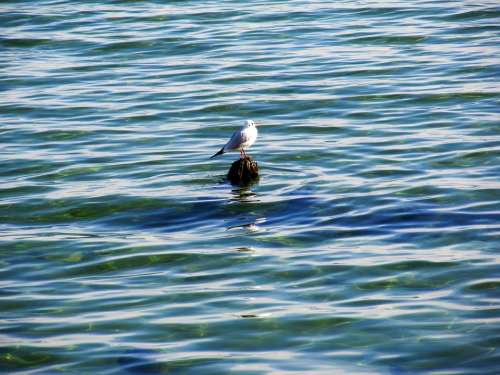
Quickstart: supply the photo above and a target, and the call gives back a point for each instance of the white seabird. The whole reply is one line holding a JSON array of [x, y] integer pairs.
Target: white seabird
[[241, 139]]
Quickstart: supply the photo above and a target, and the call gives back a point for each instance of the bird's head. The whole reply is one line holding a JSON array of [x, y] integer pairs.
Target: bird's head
[[250, 124]]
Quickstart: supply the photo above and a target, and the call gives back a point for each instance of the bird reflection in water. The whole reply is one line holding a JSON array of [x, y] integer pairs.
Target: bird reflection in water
[[243, 194]]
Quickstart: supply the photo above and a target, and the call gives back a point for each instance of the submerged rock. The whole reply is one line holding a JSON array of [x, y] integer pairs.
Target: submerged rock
[[243, 171]]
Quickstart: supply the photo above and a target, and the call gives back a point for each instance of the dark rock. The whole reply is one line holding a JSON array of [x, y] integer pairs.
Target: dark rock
[[243, 171]]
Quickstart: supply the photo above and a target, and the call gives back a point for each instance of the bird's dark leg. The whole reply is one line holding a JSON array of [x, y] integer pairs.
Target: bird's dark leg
[[244, 153]]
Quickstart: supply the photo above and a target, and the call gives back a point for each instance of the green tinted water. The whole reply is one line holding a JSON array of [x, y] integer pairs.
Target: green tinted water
[[369, 245]]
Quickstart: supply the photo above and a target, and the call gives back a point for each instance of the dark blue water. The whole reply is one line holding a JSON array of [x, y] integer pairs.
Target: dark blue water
[[369, 244]]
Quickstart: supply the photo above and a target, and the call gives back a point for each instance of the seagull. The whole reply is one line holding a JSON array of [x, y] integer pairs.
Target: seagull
[[241, 139]]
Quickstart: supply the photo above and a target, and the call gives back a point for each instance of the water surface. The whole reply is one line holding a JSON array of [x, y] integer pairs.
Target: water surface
[[369, 245]]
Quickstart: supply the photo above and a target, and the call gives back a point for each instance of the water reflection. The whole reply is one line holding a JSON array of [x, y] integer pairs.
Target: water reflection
[[243, 193], [251, 226]]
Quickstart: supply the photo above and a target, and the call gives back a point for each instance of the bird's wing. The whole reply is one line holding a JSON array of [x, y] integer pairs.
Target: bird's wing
[[235, 141]]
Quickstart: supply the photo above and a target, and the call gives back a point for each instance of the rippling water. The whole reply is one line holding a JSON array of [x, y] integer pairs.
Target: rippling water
[[369, 245]]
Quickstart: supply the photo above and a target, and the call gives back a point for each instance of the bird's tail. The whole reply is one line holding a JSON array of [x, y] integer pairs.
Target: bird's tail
[[221, 151]]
